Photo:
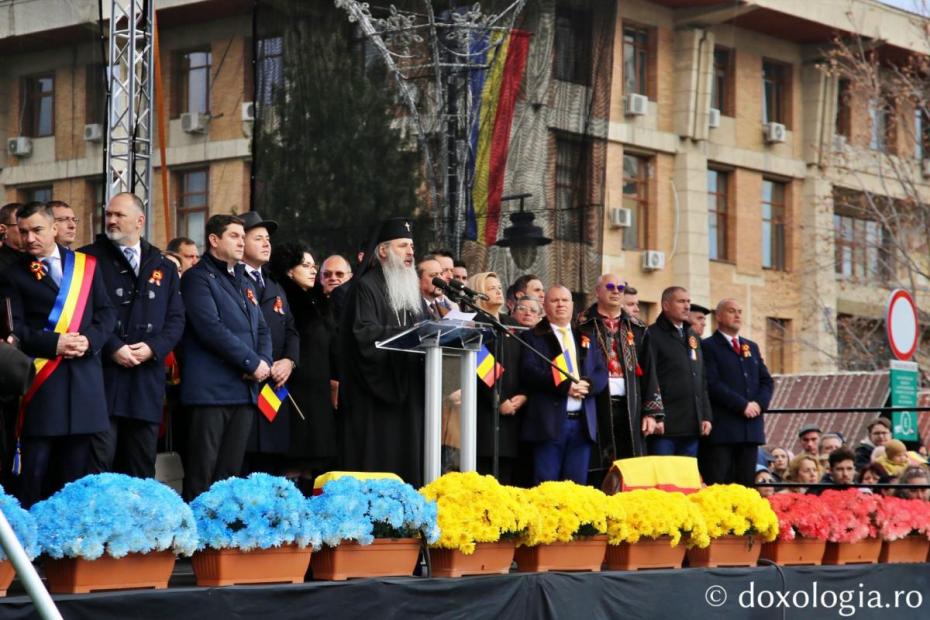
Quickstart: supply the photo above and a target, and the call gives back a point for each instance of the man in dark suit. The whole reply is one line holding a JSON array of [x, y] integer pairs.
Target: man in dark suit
[[145, 289], [11, 250], [269, 439], [679, 365], [740, 389], [561, 414], [226, 356], [66, 403]]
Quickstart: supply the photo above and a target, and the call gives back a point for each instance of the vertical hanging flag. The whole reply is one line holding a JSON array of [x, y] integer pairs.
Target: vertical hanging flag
[[270, 400], [495, 89], [488, 369]]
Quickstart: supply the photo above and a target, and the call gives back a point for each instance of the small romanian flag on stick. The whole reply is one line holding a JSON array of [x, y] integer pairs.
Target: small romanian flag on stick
[[563, 362], [270, 400], [488, 369]]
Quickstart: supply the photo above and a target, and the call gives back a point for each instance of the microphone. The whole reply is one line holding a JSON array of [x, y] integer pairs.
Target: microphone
[[468, 291]]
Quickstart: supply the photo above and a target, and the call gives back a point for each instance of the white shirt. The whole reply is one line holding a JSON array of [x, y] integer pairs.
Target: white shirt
[[137, 250], [574, 404]]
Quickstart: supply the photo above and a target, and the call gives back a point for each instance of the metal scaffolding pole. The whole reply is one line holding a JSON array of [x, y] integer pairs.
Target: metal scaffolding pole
[[129, 118]]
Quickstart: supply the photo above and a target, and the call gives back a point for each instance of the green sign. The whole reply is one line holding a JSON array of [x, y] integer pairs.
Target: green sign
[[904, 382]]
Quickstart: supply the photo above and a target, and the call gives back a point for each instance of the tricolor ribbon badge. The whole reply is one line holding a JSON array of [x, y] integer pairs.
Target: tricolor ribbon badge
[[157, 275], [270, 400], [746, 352], [488, 369], [250, 295], [693, 343], [279, 305], [585, 342], [629, 338]]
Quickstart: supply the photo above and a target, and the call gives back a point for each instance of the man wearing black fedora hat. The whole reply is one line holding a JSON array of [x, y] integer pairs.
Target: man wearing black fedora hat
[[381, 392], [269, 440]]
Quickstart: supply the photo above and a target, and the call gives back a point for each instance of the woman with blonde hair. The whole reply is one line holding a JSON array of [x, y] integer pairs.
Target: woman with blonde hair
[[512, 397], [803, 468]]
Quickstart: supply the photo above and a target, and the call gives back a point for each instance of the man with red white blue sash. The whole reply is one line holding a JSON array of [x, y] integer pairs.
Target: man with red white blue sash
[[62, 316]]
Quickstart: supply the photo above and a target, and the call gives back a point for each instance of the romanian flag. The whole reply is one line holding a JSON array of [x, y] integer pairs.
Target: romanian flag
[[563, 362], [488, 369], [270, 400], [495, 90]]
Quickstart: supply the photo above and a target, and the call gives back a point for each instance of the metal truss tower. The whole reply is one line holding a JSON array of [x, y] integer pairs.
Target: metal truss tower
[[129, 119]]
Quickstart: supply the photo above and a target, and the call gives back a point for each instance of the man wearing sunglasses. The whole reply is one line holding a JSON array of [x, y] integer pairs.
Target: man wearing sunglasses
[[632, 406], [335, 272]]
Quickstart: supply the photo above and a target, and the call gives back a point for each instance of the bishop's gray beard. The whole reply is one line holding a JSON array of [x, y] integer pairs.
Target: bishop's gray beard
[[403, 286]]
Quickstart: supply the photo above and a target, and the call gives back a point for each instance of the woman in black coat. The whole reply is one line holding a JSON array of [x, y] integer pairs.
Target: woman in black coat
[[512, 398], [313, 446]]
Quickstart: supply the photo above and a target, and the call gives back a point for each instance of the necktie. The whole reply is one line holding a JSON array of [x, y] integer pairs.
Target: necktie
[[51, 268], [569, 347], [736, 347], [681, 332], [131, 257], [257, 276]]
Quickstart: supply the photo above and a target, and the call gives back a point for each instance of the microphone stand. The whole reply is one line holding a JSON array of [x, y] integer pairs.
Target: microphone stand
[[503, 332]]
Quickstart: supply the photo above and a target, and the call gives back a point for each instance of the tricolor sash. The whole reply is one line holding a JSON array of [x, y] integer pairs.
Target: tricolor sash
[[77, 277]]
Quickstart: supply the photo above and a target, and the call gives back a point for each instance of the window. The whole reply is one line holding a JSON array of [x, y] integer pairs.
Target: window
[[39, 106], [777, 333], [861, 248], [193, 80], [775, 92], [921, 133], [717, 203], [635, 60], [636, 199], [571, 164], [843, 112], [721, 88], [881, 124], [773, 225], [192, 204], [572, 61], [39, 193], [269, 69], [95, 100], [96, 198]]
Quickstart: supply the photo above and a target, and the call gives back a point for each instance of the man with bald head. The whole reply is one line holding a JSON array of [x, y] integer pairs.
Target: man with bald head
[[334, 272], [144, 286], [561, 414], [632, 407], [740, 388]]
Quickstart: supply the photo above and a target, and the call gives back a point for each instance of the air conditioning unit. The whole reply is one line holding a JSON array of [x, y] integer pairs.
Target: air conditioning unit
[[21, 146], [713, 118], [653, 260], [248, 112], [925, 167], [775, 133], [93, 132], [194, 123], [636, 105], [621, 217]]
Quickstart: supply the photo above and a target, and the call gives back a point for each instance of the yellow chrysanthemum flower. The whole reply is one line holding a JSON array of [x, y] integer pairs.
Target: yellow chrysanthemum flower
[[732, 509], [652, 513]]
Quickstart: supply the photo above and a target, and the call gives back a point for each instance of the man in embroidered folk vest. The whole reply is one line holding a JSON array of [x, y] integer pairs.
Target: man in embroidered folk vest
[[62, 316], [144, 287]]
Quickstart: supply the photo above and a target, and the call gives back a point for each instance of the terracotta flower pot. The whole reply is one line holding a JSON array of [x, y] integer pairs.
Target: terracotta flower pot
[[726, 551], [907, 550], [797, 552], [385, 557], [226, 567], [136, 570], [862, 552], [7, 572], [586, 554], [488, 559], [645, 554]]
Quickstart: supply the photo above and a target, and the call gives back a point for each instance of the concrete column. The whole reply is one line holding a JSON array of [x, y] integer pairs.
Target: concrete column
[[689, 255], [694, 54], [817, 334], [818, 91]]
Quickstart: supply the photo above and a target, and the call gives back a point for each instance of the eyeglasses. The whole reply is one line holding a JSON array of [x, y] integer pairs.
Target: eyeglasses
[[334, 274], [610, 286], [522, 308], [73, 220]]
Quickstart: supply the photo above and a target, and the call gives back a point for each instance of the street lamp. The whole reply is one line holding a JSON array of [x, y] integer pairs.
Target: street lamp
[[522, 236]]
